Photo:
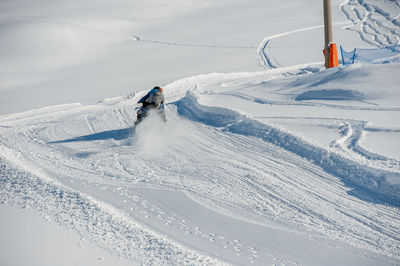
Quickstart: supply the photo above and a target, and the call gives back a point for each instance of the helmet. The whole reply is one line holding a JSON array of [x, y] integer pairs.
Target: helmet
[[158, 88]]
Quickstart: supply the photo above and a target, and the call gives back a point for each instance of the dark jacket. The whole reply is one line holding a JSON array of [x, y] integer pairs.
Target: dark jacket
[[154, 98]]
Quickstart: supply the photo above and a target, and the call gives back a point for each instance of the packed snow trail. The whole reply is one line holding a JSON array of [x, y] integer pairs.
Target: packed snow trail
[[168, 192]]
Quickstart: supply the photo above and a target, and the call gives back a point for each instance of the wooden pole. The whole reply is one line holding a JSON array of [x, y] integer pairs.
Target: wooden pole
[[328, 29]]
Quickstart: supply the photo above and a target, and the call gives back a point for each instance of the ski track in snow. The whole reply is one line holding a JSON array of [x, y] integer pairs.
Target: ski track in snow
[[265, 53], [139, 39], [374, 25], [126, 36], [85, 166]]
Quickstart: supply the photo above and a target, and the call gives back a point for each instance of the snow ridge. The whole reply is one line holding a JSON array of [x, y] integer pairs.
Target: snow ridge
[[368, 183]]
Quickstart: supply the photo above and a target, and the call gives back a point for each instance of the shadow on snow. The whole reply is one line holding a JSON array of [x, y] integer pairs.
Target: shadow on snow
[[118, 134]]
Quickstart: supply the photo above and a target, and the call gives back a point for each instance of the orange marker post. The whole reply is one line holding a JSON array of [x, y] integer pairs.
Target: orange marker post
[[333, 56]]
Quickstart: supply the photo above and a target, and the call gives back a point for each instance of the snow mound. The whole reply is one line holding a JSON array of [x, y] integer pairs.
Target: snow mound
[[346, 83]]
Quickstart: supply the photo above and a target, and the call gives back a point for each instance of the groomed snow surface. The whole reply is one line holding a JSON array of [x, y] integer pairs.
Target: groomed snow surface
[[288, 165]]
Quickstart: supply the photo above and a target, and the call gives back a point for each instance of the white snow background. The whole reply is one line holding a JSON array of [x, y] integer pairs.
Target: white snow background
[[266, 158]]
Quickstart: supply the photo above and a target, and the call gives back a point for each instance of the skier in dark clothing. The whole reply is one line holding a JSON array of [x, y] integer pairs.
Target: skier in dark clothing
[[153, 100]]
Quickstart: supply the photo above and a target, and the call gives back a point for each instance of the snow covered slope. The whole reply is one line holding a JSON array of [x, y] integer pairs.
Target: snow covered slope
[[161, 193], [56, 52], [288, 165]]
